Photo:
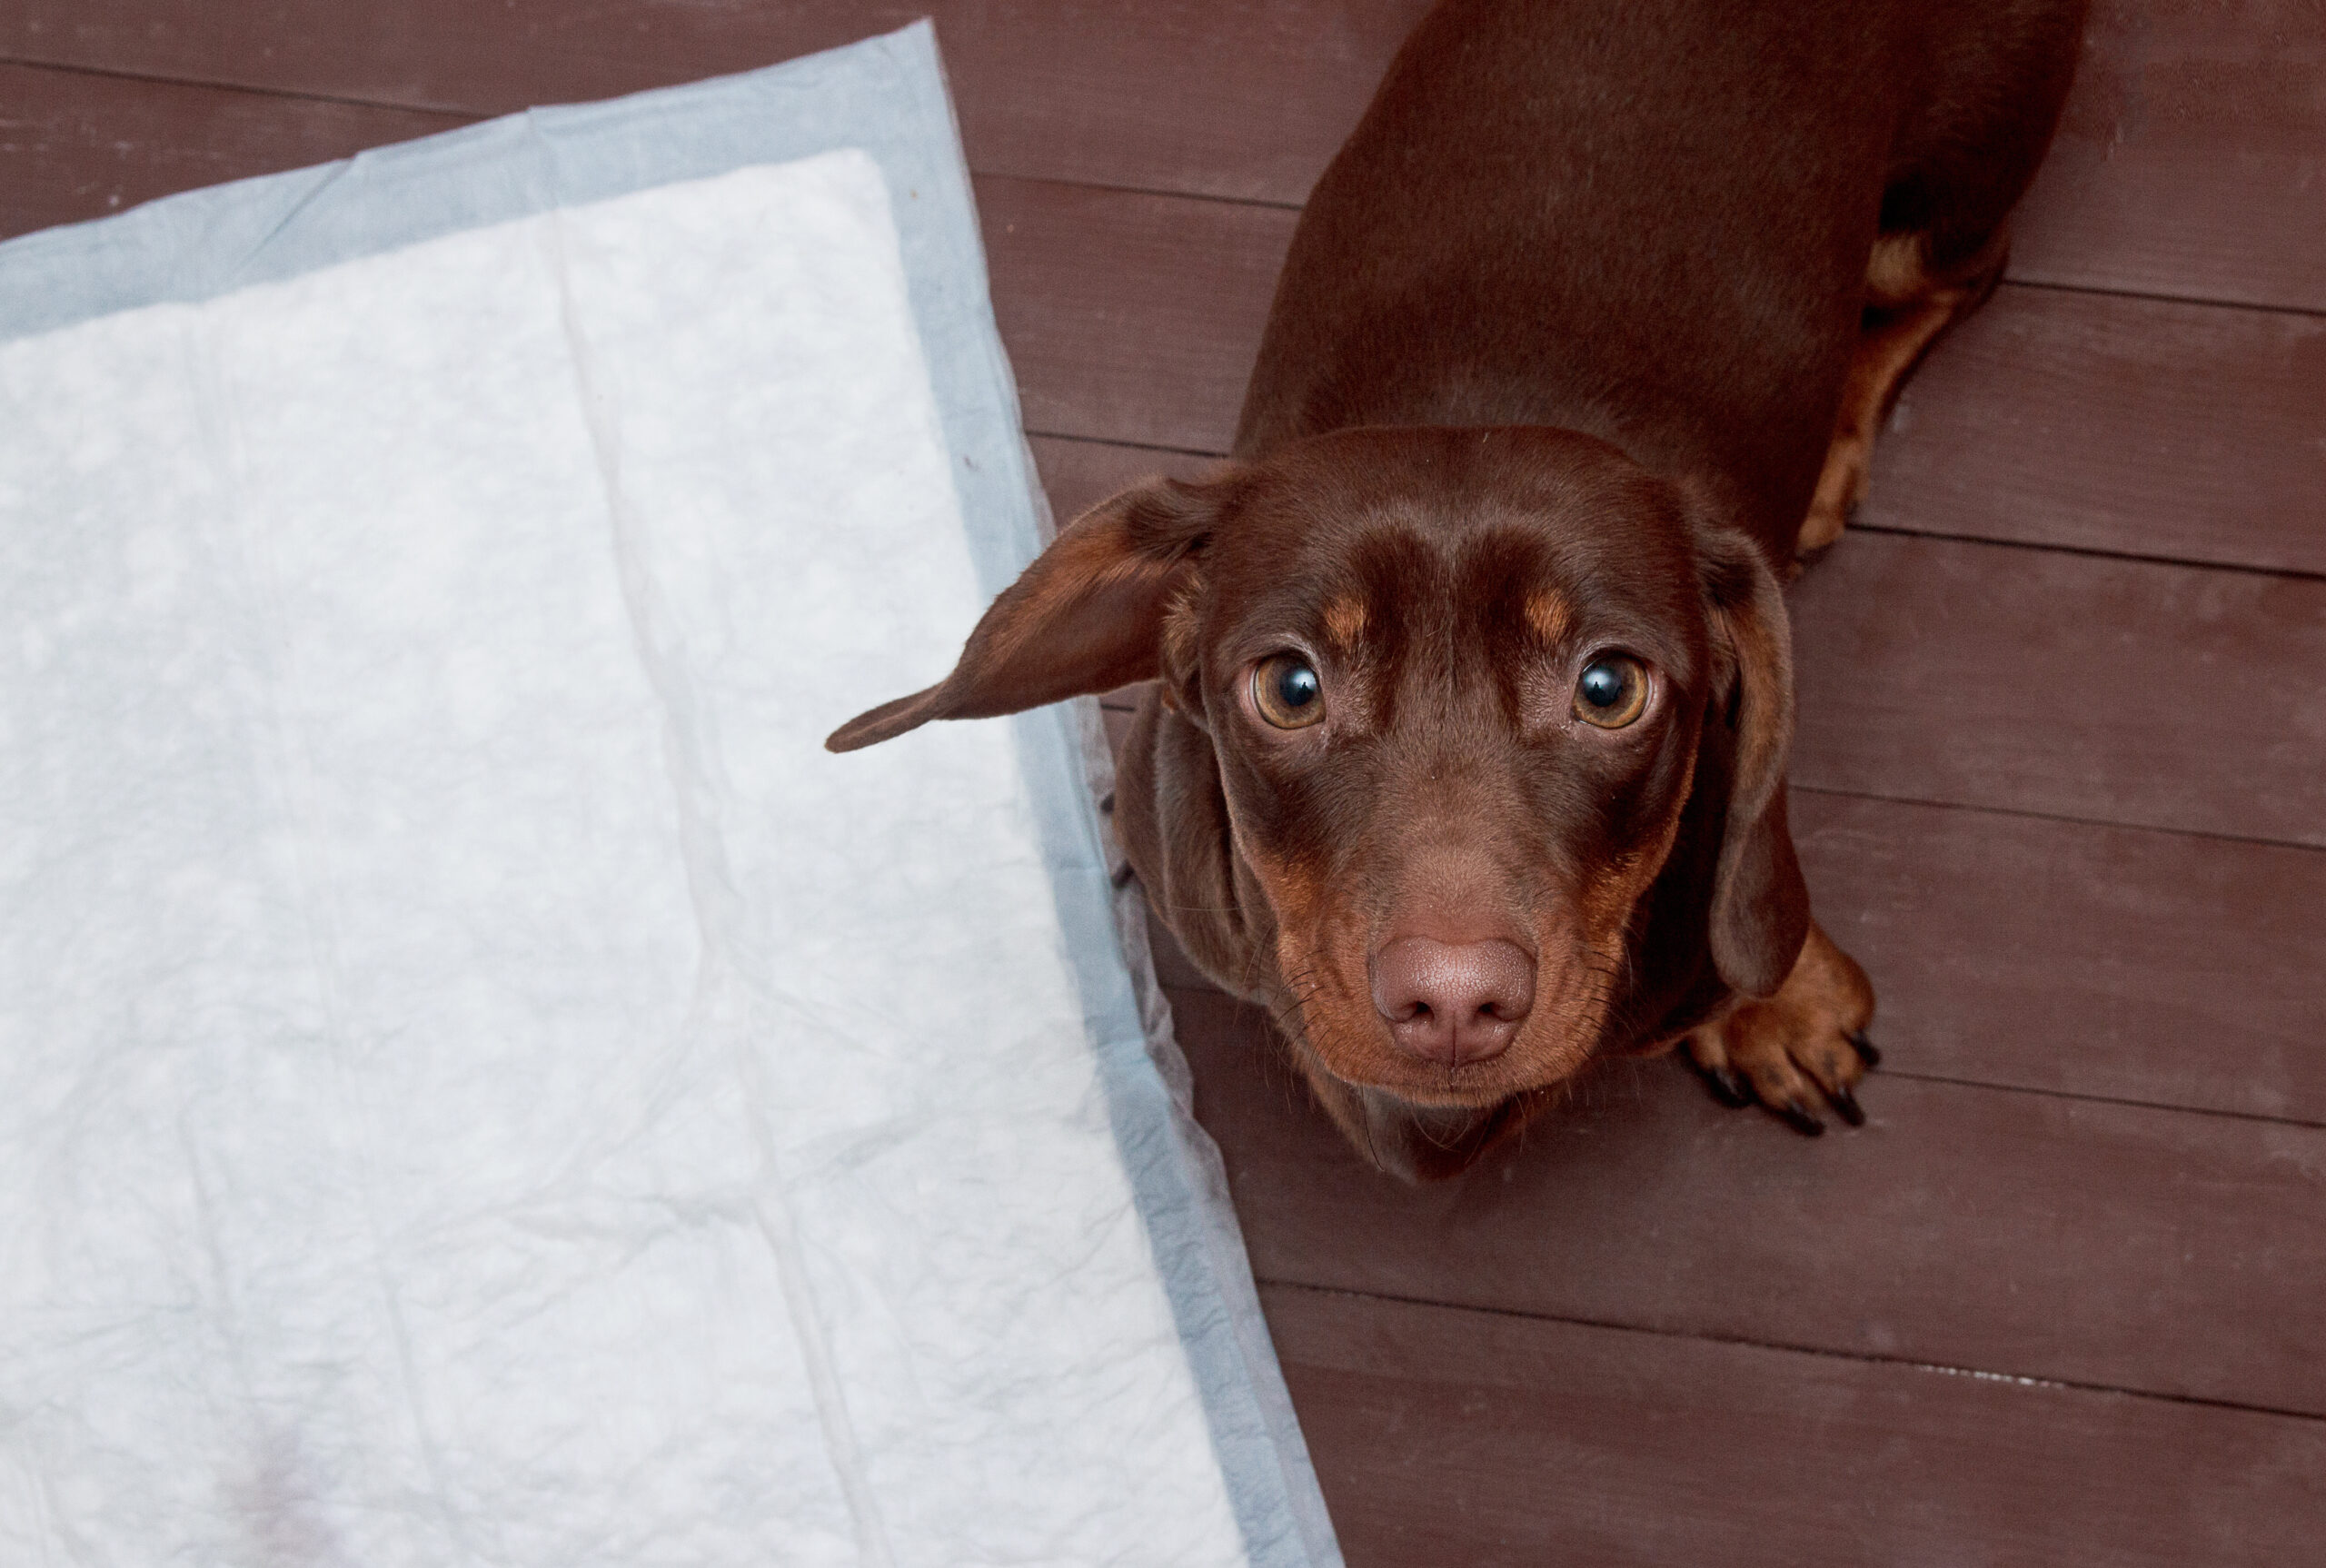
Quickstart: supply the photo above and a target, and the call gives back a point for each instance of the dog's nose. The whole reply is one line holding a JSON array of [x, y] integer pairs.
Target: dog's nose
[[1453, 1002]]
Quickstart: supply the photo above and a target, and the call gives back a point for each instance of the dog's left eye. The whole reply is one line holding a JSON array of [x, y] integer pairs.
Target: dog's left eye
[[1612, 691], [1286, 690]]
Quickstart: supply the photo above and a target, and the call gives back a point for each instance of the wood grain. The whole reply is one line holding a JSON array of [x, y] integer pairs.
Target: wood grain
[[2188, 162], [1129, 317], [2191, 157], [2027, 680], [75, 146], [2019, 1233], [1445, 1436], [2126, 425], [1078, 474], [1246, 101], [2090, 960]]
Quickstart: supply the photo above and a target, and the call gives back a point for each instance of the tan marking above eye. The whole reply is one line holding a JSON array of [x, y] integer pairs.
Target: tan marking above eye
[[1287, 691], [1612, 691], [1548, 614], [1345, 621]]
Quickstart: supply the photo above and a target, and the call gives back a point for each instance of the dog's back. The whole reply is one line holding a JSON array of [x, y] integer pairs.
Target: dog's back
[[1651, 220]]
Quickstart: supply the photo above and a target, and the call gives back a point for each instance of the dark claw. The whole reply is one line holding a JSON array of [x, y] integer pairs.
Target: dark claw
[[1864, 1049], [1801, 1119], [1847, 1104], [1107, 801], [1123, 874], [1727, 1088]]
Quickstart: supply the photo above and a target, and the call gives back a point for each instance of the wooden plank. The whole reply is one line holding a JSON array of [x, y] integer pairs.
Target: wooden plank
[[1078, 474], [1167, 94], [2104, 961], [2108, 690], [2188, 162], [2026, 1235], [1130, 317], [75, 146], [2117, 424], [1444, 1436]]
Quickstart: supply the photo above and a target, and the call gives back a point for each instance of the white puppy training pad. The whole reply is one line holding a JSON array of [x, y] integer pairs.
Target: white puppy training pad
[[478, 1083]]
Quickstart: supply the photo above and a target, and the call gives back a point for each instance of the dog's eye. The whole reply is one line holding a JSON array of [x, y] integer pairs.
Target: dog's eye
[[1612, 692], [1286, 690]]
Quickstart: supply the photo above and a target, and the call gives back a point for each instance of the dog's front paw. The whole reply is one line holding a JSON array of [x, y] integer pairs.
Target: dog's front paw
[[1805, 1044]]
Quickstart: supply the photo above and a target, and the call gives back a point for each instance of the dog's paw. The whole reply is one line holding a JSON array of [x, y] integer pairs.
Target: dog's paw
[[1804, 1048]]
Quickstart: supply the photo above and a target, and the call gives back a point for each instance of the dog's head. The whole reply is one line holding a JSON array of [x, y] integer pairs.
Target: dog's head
[[1466, 754]]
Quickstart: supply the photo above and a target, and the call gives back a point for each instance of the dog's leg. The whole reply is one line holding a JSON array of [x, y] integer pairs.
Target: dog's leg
[[1908, 307], [1806, 1041]]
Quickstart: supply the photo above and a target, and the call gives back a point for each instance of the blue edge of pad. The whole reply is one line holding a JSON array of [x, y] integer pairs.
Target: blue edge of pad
[[888, 96]]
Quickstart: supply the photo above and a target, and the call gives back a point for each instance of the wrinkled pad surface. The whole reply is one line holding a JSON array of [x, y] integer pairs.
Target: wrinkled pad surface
[[478, 1083]]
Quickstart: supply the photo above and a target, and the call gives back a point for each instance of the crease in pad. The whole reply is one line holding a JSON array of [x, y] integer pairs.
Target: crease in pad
[[690, 759], [198, 334]]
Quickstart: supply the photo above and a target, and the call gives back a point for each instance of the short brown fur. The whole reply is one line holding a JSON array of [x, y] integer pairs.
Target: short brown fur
[[1583, 337]]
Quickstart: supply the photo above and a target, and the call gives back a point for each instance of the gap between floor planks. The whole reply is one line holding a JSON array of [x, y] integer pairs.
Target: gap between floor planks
[[1444, 1435], [1852, 1357]]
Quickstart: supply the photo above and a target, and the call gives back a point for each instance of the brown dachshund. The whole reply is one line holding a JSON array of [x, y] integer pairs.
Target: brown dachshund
[[1467, 750]]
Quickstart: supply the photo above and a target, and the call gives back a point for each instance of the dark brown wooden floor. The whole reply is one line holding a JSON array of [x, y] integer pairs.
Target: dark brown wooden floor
[[2061, 784]]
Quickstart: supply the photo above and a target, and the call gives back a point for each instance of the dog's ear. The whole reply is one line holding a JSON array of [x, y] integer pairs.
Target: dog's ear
[[1087, 616], [1760, 906]]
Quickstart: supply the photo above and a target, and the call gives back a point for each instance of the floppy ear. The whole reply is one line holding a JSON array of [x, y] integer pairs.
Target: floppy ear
[[1760, 906], [1085, 616]]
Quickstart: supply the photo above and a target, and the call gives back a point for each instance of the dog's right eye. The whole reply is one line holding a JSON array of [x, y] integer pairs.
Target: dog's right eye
[[1286, 690]]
